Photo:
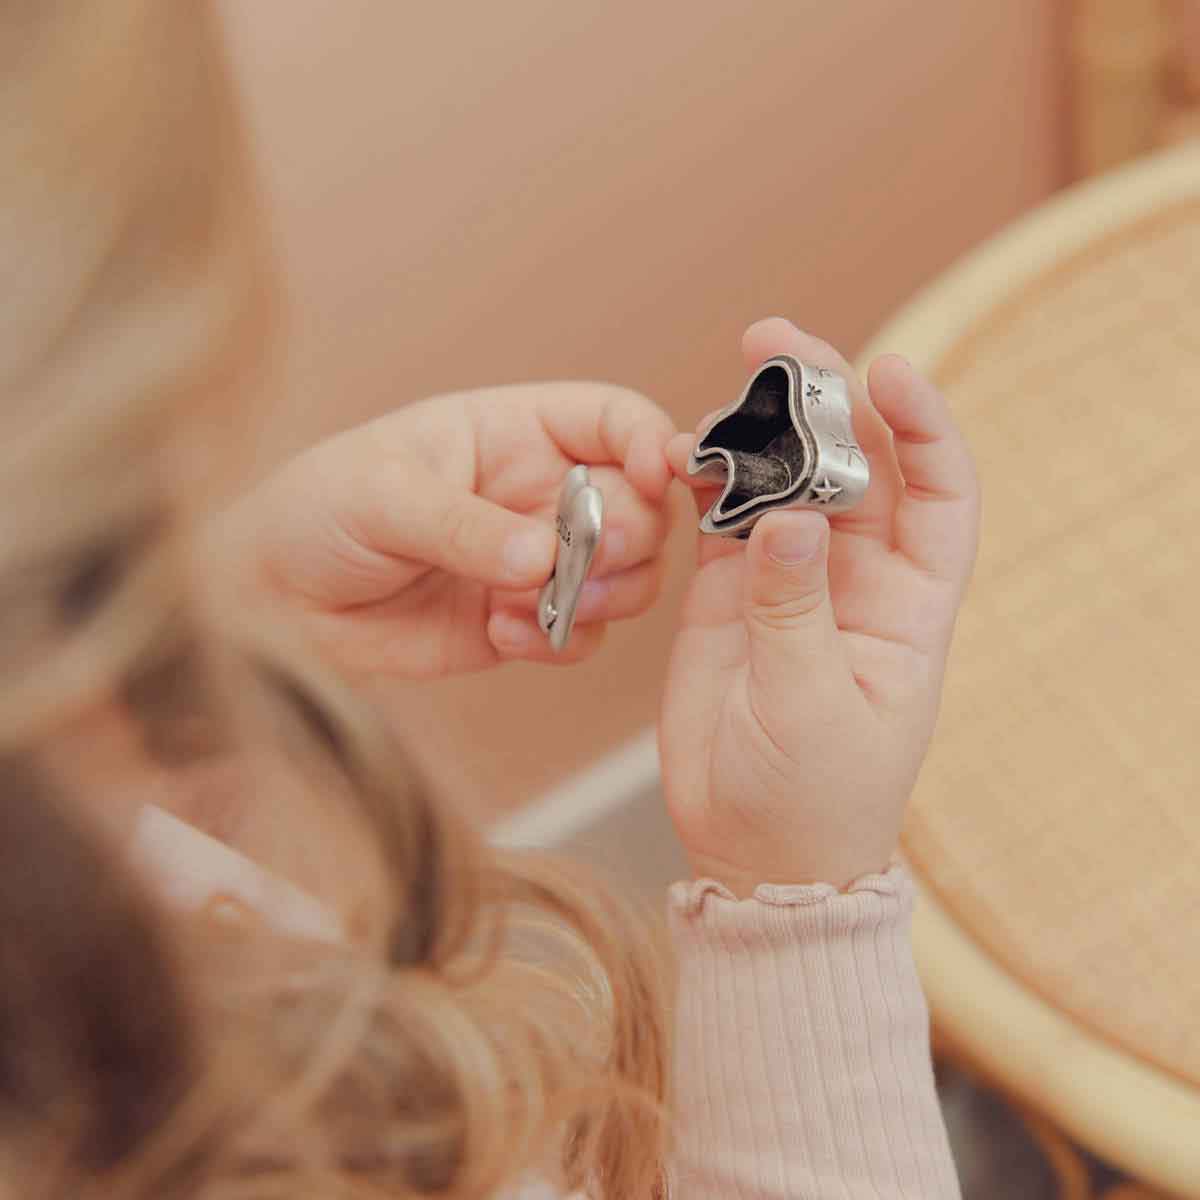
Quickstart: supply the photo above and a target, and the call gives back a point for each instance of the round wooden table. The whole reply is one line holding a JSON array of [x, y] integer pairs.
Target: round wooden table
[[1056, 828]]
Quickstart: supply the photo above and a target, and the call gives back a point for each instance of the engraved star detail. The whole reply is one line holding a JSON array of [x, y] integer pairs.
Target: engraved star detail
[[825, 491], [764, 450], [851, 449]]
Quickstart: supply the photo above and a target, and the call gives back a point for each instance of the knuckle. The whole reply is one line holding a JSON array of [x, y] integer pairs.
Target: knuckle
[[627, 399], [784, 614], [456, 529], [826, 354], [624, 409], [959, 464]]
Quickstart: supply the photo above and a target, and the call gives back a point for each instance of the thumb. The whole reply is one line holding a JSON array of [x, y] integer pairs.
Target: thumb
[[788, 614], [450, 527]]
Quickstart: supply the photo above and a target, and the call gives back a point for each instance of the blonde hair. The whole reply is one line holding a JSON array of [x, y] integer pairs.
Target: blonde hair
[[492, 1015]]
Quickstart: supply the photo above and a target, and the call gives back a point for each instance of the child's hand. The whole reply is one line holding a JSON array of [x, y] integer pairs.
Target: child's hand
[[805, 680], [414, 546]]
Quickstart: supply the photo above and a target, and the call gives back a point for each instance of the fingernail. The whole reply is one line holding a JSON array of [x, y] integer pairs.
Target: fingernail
[[795, 539], [528, 553], [509, 630]]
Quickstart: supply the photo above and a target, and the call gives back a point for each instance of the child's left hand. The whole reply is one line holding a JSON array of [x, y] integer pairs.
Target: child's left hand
[[414, 546], [806, 675]]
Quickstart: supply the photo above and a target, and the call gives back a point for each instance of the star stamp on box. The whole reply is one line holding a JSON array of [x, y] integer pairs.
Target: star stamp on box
[[788, 442]]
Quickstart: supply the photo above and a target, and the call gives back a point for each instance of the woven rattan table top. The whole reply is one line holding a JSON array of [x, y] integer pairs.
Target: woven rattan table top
[[1058, 819]]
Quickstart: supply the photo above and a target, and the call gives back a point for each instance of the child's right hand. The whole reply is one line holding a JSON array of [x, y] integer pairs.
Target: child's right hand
[[803, 690], [414, 546]]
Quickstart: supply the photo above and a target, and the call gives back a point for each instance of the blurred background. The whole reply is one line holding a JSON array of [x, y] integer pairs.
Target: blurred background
[[471, 194]]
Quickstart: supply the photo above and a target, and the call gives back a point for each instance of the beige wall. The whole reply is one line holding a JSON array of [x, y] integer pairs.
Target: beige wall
[[480, 193]]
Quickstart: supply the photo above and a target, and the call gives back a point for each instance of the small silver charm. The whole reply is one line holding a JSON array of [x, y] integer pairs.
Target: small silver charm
[[788, 442], [580, 523]]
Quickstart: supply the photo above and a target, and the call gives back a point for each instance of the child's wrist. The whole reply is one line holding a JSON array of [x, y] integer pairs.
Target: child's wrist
[[838, 867]]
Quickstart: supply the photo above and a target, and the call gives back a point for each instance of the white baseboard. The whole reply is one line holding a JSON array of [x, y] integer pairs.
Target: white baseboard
[[612, 783], [611, 817]]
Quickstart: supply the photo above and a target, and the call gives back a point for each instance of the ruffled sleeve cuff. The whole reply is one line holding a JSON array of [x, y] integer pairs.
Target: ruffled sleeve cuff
[[802, 1062]]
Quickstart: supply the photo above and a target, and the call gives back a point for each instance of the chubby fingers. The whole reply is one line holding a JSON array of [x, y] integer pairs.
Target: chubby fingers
[[624, 581], [363, 531], [776, 335], [626, 573], [678, 454], [614, 597], [704, 492], [788, 611], [517, 636], [646, 462], [600, 424], [514, 633], [635, 529], [452, 528], [936, 520]]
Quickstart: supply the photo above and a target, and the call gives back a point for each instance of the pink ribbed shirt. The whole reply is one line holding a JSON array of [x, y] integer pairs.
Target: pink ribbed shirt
[[802, 1062]]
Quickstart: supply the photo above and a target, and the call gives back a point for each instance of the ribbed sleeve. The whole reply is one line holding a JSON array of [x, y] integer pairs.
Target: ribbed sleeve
[[802, 1063]]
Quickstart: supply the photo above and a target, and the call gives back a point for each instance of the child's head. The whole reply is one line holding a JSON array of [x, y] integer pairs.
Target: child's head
[[166, 1054]]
